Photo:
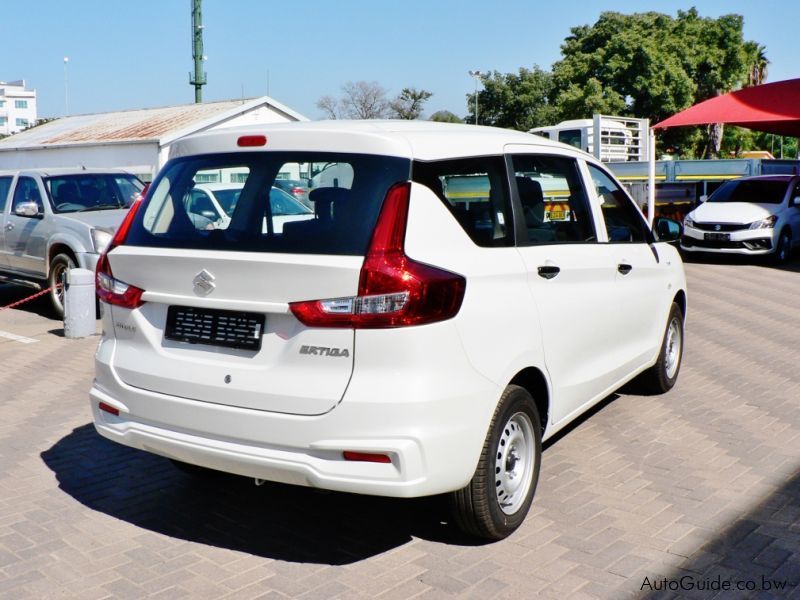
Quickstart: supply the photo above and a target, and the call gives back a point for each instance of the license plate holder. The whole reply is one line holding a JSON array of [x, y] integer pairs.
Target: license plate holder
[[214, 327], [714, 236]]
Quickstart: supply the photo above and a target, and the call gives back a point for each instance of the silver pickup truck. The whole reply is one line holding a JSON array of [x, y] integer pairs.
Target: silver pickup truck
[[52, 220]]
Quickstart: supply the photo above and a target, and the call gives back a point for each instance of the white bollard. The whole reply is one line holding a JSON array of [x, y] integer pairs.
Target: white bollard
[[79, 304]]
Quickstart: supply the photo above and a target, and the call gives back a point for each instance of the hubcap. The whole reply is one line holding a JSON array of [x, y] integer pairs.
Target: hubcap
[[672, 350], [514, 463], [60, 276]]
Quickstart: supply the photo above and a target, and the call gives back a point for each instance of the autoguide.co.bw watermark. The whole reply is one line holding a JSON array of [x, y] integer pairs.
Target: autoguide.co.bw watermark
[[717, 584]]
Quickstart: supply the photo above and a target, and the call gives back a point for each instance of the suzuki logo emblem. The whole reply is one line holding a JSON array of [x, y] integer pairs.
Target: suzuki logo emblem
[[717, 227], [204, 283]]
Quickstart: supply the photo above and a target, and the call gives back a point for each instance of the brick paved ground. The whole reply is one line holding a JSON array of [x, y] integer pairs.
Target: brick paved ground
[[701, 482]]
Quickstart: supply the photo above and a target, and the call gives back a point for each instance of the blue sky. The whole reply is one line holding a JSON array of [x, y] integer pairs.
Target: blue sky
[[133, 54]]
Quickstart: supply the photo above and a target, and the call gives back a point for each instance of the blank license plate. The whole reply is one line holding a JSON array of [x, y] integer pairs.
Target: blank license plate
[[213, 327]]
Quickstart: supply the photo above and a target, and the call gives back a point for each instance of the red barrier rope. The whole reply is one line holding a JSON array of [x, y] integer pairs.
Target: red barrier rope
[[29, 298]]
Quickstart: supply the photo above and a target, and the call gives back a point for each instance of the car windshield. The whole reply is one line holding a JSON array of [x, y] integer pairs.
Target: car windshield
[[92, 191], [761, 191]]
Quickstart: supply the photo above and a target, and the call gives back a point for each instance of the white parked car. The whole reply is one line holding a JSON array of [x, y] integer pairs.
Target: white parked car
[[752, 215], [211, 205], [437, 319]]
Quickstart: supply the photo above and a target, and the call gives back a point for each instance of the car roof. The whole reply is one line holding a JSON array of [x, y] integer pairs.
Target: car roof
[[55, 171], [424, 140]]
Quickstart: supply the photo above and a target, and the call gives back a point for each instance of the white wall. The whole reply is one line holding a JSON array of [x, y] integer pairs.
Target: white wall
[[135, 158]]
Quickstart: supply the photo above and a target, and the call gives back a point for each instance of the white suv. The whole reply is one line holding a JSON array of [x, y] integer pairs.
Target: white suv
[[460, 294]]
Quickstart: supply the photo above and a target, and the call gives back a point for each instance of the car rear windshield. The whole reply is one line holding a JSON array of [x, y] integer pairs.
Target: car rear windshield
[[92, 191], [231, 202], [761, 191]]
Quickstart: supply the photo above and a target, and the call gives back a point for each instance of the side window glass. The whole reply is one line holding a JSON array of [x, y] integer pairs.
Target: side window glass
[[475, 190], [554, 203], [27, 191], [5, 186], [623, 222]]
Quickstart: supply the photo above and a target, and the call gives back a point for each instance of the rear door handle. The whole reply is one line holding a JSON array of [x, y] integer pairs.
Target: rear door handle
[[548, 271], [624, 268]]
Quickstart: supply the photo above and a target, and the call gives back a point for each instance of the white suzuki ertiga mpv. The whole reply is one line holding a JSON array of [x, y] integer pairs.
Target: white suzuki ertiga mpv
[[457, 295]]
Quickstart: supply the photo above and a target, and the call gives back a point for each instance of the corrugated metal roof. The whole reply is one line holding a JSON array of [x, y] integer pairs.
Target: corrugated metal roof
[[150, 124]]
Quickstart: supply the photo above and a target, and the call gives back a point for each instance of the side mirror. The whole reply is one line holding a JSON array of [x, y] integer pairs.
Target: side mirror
[[703, 198], [666, 230], [795, 201], [27, 209]]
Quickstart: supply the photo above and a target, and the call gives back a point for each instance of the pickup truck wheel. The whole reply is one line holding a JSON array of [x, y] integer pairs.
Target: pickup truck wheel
[[660, 378], [497, 499], [59, 266]]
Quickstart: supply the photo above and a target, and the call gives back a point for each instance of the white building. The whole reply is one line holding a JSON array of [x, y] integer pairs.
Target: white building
[[138, 141], [17, 107]]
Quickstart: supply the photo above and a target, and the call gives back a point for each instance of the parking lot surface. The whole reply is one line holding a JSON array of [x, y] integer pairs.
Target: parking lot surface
[[647, 497]]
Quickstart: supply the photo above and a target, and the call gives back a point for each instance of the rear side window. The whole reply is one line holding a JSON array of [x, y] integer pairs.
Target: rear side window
[[555, 207], [475, 190], [5, 185], [230, 202]]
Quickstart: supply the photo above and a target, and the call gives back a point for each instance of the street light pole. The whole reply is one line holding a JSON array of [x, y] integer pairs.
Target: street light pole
[[476, 75], [66, 88]]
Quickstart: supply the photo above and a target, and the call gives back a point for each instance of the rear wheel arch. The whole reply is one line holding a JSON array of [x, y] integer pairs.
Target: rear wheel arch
[[534, 381]]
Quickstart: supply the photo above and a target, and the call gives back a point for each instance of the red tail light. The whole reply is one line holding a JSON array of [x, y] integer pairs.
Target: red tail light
[[113, 290], [394, 290], [366, 457]]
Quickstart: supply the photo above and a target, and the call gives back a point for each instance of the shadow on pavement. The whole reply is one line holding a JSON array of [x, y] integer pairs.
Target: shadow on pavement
[[276, 521], [39, 306], [709, 258], [754, 553]]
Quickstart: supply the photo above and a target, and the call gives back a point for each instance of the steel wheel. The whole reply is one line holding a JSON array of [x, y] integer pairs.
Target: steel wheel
[[514, 463], [59, 266], [673, 347]]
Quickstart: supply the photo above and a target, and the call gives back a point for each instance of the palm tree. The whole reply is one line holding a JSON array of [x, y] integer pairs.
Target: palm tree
[[757, 62]]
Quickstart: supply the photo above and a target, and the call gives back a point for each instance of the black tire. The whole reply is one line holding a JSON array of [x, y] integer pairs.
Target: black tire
[[59, 266], [477, 509], [784, 248], [660, 378]]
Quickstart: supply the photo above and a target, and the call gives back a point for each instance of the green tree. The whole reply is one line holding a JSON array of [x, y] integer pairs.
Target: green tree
[[651, 65], [514, 100], [408, 104], [445, 116]]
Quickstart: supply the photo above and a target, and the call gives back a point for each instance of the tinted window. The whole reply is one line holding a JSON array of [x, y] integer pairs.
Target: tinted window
[[475, 190], [622, 220], [5, 185], [554, 204], [92, 191], [347, 195], [27, 191], [571, 137], [751, 190]]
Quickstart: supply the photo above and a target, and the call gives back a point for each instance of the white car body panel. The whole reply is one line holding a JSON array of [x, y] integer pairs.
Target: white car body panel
[[423, 395]]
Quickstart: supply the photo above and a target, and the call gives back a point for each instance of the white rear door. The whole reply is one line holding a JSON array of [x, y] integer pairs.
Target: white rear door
[[215, 325]]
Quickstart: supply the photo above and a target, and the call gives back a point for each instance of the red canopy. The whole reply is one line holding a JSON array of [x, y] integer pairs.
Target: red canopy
[[772, 107]]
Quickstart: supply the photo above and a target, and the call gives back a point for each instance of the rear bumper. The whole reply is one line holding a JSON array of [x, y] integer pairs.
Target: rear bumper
[[431, 426]]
